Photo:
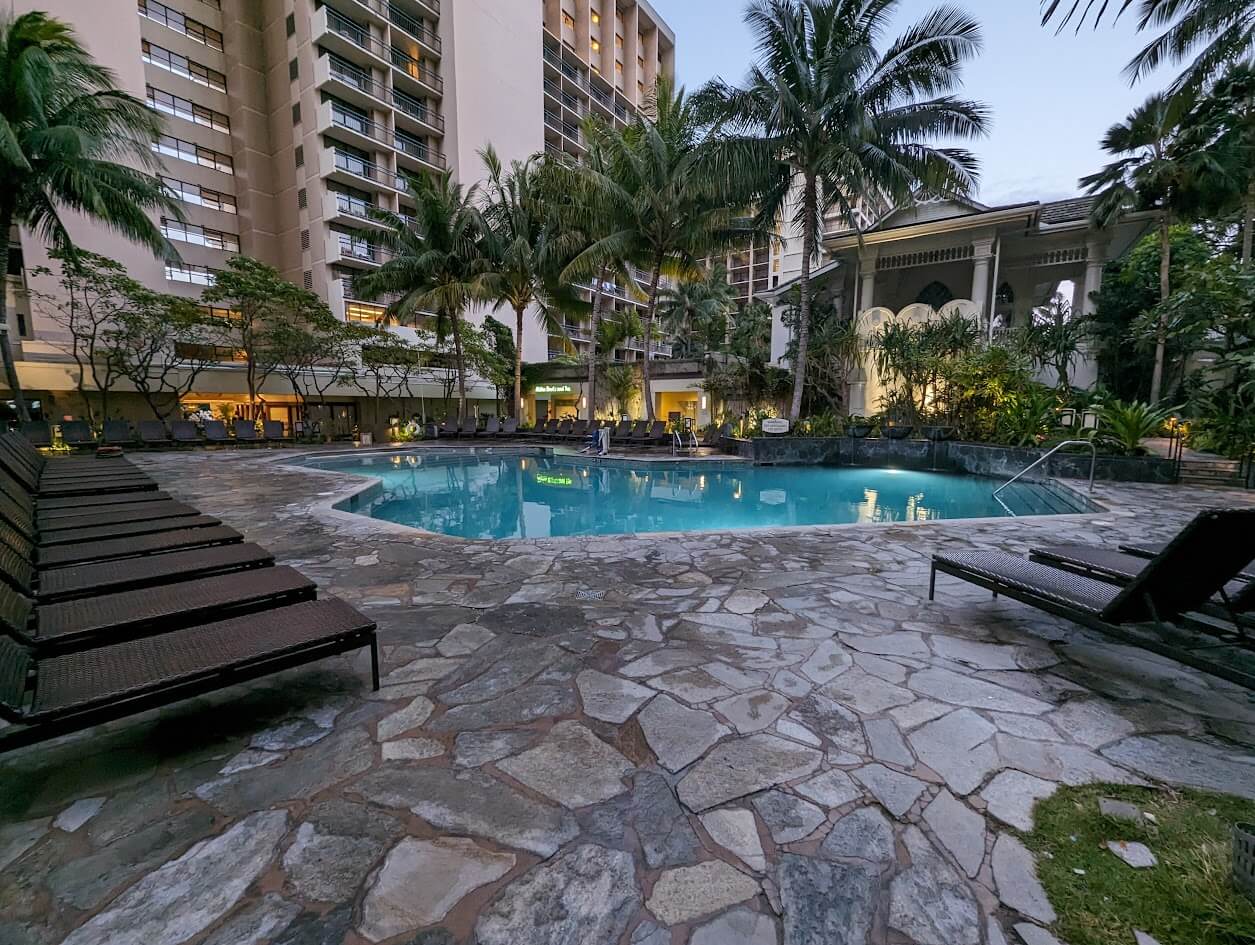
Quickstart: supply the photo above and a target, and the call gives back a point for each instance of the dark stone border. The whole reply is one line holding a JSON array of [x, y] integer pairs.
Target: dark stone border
[[981, 459]]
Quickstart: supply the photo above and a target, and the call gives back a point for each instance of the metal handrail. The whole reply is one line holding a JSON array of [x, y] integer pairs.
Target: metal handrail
[[1093, 463]]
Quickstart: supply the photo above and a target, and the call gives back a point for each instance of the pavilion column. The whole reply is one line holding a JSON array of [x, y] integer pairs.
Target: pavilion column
[[982, 264], [1094, 262], [867, 275]]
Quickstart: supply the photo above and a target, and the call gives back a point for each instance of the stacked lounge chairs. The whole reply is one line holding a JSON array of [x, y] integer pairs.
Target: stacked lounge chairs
[[1145, 601], [115, 599]]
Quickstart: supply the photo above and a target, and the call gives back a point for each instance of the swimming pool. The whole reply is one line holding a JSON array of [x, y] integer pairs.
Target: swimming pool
[[534, 496]]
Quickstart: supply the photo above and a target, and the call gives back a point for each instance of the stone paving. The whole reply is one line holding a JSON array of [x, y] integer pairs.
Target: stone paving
[[756, 738]]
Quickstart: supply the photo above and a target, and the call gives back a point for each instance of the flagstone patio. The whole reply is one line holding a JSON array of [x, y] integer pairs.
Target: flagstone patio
[[747, 739]]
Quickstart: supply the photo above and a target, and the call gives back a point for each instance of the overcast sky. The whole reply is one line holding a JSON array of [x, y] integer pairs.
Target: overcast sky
[[1052, 97]]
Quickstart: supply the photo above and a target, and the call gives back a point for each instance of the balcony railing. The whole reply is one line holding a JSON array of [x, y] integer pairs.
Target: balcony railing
[[352, 164], [570, 101], [422, 152], [563, 127], [354, 206], [357, 35], [416, 109], [356, 123], [356, 248], [416, 70], [414, 27], [360, 81]]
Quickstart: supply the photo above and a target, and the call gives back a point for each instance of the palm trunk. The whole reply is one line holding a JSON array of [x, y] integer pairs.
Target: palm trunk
[[598, 295], [6, 350], [459, 363], [804, 308], [1248, 223], [1161, 330], [518, 361], [649, 334]]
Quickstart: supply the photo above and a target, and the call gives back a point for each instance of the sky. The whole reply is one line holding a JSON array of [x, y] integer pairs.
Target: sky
[[1052, 96]]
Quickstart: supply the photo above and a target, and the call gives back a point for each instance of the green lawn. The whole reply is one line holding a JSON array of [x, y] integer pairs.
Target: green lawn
[[1188, 899]]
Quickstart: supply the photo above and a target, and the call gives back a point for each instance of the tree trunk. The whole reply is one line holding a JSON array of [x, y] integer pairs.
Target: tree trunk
[[649, 334], [1248, 223], [518, 362], [804, 308], [459, 363], [598, 295], [1161, 330], [6, 350]]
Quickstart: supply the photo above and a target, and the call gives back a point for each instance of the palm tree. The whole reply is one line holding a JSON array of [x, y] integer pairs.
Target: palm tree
[[696, 311], [830, 112], [657, 184], [1219, 33], [70, 139], [522, 246], [1148, 174], [437, 261]]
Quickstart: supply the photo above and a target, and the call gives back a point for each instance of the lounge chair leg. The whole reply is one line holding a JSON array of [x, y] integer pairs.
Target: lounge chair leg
[[374, 663], [932, 583]]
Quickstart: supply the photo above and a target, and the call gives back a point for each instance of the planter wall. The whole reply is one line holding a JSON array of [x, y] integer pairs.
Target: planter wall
[[979, 459]]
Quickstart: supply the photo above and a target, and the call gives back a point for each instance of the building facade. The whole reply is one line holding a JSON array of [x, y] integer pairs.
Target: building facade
[[287, 121]]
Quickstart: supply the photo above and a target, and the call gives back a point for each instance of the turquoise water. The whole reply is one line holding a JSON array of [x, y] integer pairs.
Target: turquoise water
[[534, 497]]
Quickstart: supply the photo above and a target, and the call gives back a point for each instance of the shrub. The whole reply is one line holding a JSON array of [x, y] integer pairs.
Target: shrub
[[1123, 425]]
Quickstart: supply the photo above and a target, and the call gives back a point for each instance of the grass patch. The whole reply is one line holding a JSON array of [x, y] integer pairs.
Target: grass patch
[[1188, 899]]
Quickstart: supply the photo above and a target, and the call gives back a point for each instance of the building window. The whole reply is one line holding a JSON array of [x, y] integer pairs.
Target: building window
[[296, 113], [618, 41], [199, 235], [188, 110], [193, 153], [568, 21], [218, 311], [177, 21], [194, 352], [289, 24], [199, 196], [596, 47], [299, 153], [293, 70], [191, 274], [364, 314], [595, 17], [163, 58], [618, 69]]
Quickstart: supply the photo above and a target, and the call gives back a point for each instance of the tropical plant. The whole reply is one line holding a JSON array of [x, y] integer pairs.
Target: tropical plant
[[317, 353], [658, 185], [750, 335], [834, 351], [695, 311], [1148, 174], [1055, 338], [1123, 425], [1223, 421], [253, 299], [1027, 417], [1216, 32], [438, 261], [622, 385], [523, 245], [70, 139], [847, 122]]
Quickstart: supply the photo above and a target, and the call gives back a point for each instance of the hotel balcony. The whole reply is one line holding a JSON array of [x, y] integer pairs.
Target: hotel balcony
[[341, 35], [560, 96], [351, 128], [353, 86], [374, 10], [416, 115], [418, 76], [354, 249], [349, 169], [568, 130], [346, 209], [430, 7], [414, 27], [416, 156], [655, 347]]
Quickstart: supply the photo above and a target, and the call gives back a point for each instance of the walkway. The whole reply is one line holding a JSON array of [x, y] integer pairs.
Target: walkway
[[745, 739]]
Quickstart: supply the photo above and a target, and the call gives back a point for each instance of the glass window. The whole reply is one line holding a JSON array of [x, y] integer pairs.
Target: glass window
[[180, 23], [199, 196], [188, 110], [193, 153], [191, 274], [199, 235], [163, 58]]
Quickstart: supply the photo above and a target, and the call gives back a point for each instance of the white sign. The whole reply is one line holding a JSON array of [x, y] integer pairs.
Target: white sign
[[775, 425]]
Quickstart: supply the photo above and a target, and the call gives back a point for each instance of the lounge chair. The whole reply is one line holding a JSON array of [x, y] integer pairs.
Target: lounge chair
[[62, 555], [87, 488], [469, 427], [153, 433], [50, 696], [492, 427], [510, 427], [118, 433], [1195, 566], [640, 433], [87, 534], [59, 519], [77, 433], [622, 430], [30, 467], [546, 429], [273, 431], [562, 432], [450, 425], [216, 433], [246, 432], [38, 432], [100, 503], [184, 433], [111, 618], [658, 435], [579, 430]]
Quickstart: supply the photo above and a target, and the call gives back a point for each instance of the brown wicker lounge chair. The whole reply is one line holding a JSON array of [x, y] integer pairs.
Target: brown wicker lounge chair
[[273, 431], [153, 433], [52, 537], [510, 427], [1208, 554], [140, 512], [51, 696], [492, 427], [579, 430], [621, 431], [59, 556], [106, 577], [111, 618], [216, 433], [99, 503], [246, 432], [562, 432], [118, 433], [77, 433], [658, 435], [640, 433], [184, 433], [37, 432]]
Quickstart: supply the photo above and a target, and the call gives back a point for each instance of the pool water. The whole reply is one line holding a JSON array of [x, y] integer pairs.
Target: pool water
[[513, 496]]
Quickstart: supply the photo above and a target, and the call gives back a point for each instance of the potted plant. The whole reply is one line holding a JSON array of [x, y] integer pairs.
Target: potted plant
[[898, 413], [859, 427], [936, 431]]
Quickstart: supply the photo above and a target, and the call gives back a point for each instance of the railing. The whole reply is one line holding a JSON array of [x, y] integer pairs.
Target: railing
[[356, 123], [351, 164], [356, 34], [416, 109], [353, 207], [417, 149], [359, 81], [1093, 463], [355, 248], [407, 64], [414, 27]]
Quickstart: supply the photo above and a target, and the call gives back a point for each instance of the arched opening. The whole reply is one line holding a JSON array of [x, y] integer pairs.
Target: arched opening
[[935, 294]]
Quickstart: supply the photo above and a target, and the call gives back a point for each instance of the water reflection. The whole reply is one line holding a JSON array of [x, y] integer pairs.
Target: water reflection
[[530, 497]]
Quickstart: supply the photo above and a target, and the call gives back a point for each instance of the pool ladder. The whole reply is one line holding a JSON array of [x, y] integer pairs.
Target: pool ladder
[[1093, 465]]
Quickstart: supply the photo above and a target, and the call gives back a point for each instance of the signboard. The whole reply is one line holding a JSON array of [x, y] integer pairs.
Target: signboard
[[775, 425], [553, 388], [548, 479]]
